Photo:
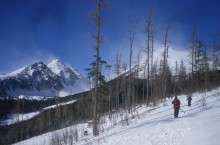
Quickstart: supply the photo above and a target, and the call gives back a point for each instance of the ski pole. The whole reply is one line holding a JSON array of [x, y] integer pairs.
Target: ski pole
[[182, 111]]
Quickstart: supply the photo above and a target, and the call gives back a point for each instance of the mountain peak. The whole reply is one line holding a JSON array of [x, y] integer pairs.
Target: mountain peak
[[56, 66], [56, 61]]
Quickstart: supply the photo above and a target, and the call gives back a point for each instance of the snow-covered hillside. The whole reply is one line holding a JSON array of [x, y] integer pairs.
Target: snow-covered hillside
[[174, 55], [199, 125], [38, 79]]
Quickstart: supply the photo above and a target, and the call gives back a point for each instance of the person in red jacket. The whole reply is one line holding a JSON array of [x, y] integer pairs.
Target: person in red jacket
[[176, 106]]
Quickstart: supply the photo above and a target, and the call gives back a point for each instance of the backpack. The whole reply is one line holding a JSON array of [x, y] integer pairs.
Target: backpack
[[176, 103]]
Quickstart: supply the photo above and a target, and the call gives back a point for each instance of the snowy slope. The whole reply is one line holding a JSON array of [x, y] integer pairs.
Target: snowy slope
[[153, 126], [71, 79], [58, 67]]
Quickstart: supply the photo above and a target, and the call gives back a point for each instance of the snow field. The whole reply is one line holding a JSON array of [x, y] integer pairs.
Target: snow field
[[200, 124]]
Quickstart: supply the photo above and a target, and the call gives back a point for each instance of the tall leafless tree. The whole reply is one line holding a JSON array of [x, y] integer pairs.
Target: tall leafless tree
[[152, 65], [97, 19], [176, 78], [131, 35], [215, 58], [124, 66], [182, 76], [117, 68], [137, 75], [192, 46], [148, 32], [165, 56]]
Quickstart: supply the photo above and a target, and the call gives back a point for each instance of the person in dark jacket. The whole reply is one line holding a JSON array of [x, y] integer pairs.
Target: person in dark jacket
[[176, 106], [189, 98]]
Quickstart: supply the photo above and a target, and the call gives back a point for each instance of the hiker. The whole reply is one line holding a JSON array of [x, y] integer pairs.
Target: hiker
[[189, 98], [176, 106]]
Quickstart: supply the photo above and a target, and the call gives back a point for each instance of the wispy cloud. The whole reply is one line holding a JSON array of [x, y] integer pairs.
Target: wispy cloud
[[21, 59]]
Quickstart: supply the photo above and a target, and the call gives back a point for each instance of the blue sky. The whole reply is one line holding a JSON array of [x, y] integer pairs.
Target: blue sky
[[43, 30]]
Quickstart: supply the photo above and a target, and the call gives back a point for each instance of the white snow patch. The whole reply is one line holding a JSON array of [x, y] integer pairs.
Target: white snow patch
[[13, 118], [59, 104]]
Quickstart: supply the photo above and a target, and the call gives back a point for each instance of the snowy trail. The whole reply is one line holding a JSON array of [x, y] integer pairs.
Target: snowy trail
[[205, 125], [152, 130], [157, 126], [160, 128], [154, 133]]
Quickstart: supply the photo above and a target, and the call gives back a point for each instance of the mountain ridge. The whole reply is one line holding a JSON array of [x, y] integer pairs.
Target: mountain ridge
[[53, 79]]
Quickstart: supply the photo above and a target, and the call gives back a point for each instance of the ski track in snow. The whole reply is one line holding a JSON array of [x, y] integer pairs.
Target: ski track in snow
[[169, 131]]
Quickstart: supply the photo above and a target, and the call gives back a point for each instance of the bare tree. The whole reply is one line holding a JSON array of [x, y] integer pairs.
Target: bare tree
[[192, 46], [152, 65], [215, 58], [18, 113], [117, 67], [182, 76], [96, 17], [149, 49], [176, 78], [137, 75], [206, 68], [143, 93], [131, 36], [165, 57], [124, 66], [155, 83]]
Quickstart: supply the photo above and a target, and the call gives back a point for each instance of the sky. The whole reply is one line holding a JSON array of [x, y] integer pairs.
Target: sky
[[43, 30]]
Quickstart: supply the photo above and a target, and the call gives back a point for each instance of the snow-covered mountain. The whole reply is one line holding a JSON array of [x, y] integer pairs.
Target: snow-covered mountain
[[67, 74], [54, 79], [72, 81]]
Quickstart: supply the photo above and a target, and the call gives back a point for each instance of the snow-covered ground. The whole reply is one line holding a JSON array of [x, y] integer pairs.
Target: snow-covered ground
[[199, 125], [13, 118]]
